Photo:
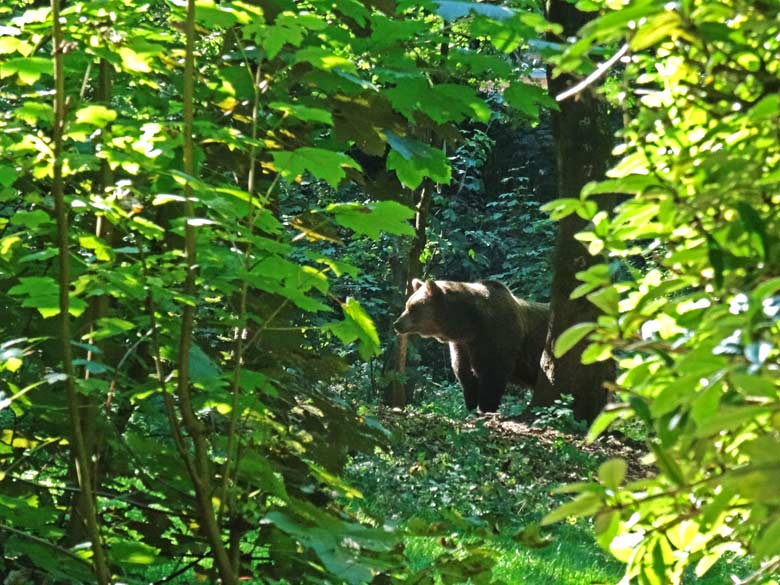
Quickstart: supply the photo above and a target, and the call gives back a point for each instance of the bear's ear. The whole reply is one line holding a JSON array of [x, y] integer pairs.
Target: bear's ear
[[416, 283], [433, 288]]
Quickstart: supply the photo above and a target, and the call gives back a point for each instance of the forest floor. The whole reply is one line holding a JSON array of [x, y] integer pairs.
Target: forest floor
[[496, 475]]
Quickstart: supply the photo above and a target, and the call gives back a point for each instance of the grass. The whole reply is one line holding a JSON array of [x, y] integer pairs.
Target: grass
[[444, 464], [570, 560]]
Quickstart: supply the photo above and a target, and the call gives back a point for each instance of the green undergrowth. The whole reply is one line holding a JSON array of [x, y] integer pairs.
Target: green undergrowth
[[478, 486]]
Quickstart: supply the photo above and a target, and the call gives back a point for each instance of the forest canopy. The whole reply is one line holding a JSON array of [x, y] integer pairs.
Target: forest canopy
[[211, 213]]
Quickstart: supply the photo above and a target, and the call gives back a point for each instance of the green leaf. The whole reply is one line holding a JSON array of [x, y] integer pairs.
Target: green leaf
[[730, 418], [767, 107], [203, 370], [323, 164], [612, 473], [42, 293], [606, 527], [303, 113], [413, 161], [103, 251], [99, 116], [34, 113], [133, 552], [28, 69], [667, 464], [106, 327], [656, 29], [560, 208], [528, 98], [373, 219], [7, 175], [357, 325], [754, 223], [30, 219], [585, 504], [571, 337], [755, 385], [768, 543], [606, 299], [602, 422], [444, 102]]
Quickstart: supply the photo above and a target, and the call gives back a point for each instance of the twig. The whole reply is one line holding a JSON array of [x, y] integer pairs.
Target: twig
[[45, 543], [600, 70]]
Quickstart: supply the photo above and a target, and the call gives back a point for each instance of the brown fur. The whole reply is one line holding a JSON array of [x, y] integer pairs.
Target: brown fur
[[494, 337]]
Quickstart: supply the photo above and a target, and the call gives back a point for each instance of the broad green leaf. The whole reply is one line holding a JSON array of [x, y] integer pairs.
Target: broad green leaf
[[323, 164], [133, 552], [666, 463], [528, 98], [304, 113], [7, 175], [103, 251], [755, 482], [95, 115], [685, 535], [28, 69], [356, 326], [444, 102], [258, 471], [612, 473], [602, 422], [34, 113], [767, 544], [606, 526], [133, 61], [571, 337], [324, 59], [560, 208], [606, 299], [656, 29], [373, 219], [31, 219], [413, 161], [767, 107], [585, 504], [755, 385], [731, 418]]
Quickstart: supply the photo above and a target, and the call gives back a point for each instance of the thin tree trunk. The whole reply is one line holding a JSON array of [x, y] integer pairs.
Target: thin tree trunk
[[94, 441], [200, 468], [81, 450], [398, 396], [583, 145]]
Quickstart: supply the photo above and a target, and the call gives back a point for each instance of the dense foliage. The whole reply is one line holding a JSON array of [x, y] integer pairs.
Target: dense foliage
[[694, 312], [201, 204], [167, 316]]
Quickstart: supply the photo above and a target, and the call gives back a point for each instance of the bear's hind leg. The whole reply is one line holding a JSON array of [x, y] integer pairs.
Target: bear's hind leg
[[492, 386], [493, 375], [461, 365]]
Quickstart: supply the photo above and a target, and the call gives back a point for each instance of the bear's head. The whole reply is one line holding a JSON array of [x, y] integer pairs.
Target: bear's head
[[422, 312]]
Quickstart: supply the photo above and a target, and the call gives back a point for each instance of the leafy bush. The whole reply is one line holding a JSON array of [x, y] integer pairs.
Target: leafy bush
[[697, 337]]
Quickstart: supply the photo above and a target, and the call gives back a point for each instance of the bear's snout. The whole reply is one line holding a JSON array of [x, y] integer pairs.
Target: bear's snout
[[400, 325]]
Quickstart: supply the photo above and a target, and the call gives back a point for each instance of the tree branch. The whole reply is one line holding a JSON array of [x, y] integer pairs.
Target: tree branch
[[600, 70]]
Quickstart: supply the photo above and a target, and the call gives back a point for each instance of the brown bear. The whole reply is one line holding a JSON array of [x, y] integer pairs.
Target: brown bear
[[494, 337]]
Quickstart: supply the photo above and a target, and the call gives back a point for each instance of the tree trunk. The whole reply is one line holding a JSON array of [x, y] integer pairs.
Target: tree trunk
[[397, 396], [583, 144]]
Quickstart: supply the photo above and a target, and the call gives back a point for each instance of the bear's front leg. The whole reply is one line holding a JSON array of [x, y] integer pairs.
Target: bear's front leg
[[461, 365]]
